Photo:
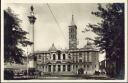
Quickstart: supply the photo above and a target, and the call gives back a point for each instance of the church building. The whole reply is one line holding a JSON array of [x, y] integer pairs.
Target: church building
[[72, 61]]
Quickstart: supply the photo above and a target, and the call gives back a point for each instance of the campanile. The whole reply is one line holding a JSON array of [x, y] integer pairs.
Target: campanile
[[72, 35]]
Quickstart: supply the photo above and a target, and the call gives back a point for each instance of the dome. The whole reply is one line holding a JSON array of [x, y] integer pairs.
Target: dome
[[89, 46]]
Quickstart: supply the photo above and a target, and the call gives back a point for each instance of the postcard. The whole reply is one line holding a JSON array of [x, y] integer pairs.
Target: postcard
[[64, 41]]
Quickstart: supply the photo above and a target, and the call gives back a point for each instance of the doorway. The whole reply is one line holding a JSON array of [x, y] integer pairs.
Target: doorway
[[80, 71]]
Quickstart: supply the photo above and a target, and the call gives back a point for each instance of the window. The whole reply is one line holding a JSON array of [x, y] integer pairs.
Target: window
[[54, 57], [69, 67], [87, 66], [84, 66], [71, 30], [72, 36], [76, 58], [54, 67], [59, 68], [35, 58], [39, 56], [80, 54], [46, 66], [63, 56], [63, 67], [76, 66], [58, 56], [43, 59], [49, 68], [80, 60]]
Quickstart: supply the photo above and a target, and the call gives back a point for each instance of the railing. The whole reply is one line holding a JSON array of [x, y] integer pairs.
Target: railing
[[57, 61]]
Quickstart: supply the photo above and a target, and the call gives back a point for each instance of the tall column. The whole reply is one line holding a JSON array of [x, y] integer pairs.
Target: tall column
[[32, 20], [61, 68], [66, 69], [52, 68]]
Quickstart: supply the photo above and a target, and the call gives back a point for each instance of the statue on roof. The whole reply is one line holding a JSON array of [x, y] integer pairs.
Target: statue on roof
[[53, 48], [32, 8]]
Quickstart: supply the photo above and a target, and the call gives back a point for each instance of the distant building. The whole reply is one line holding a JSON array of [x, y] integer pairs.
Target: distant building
[[70, 61]]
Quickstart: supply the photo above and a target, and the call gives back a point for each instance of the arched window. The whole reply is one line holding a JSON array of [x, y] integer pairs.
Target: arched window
[[80, 60], [49, 68], [59, 68], [39, 56], [69, 66], [54, 57], [88, 66], [63, 56], [64, 68], [84, 66], [76, 66], [58, 56]]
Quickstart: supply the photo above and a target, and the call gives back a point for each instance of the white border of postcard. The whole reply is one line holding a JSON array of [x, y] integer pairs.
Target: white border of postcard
[[64, 1]]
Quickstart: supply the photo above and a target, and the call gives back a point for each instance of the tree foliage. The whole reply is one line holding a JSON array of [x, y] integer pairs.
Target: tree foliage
[[13, 37], [111, 33]]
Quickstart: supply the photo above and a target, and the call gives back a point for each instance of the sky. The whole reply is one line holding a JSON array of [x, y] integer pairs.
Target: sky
[[47, 31]]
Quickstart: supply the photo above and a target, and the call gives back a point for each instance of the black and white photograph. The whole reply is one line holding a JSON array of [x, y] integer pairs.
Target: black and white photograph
[[64, 41]]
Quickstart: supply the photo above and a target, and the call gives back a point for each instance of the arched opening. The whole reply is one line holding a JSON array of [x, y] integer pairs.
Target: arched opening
[[54, 56], [59, 54], [63, 56], [80, 60], [80, 71]]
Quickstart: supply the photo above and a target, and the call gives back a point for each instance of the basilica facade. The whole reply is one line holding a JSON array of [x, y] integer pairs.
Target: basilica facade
[[72, 61]]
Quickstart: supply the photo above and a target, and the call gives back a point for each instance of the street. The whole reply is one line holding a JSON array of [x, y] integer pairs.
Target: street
[[84, 77]]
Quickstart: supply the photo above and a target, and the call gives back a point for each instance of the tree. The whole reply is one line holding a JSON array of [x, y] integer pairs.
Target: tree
[[13, 37], [110, 37]]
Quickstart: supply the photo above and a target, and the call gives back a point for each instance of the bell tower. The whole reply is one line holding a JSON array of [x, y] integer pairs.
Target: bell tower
[[72, 35]]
